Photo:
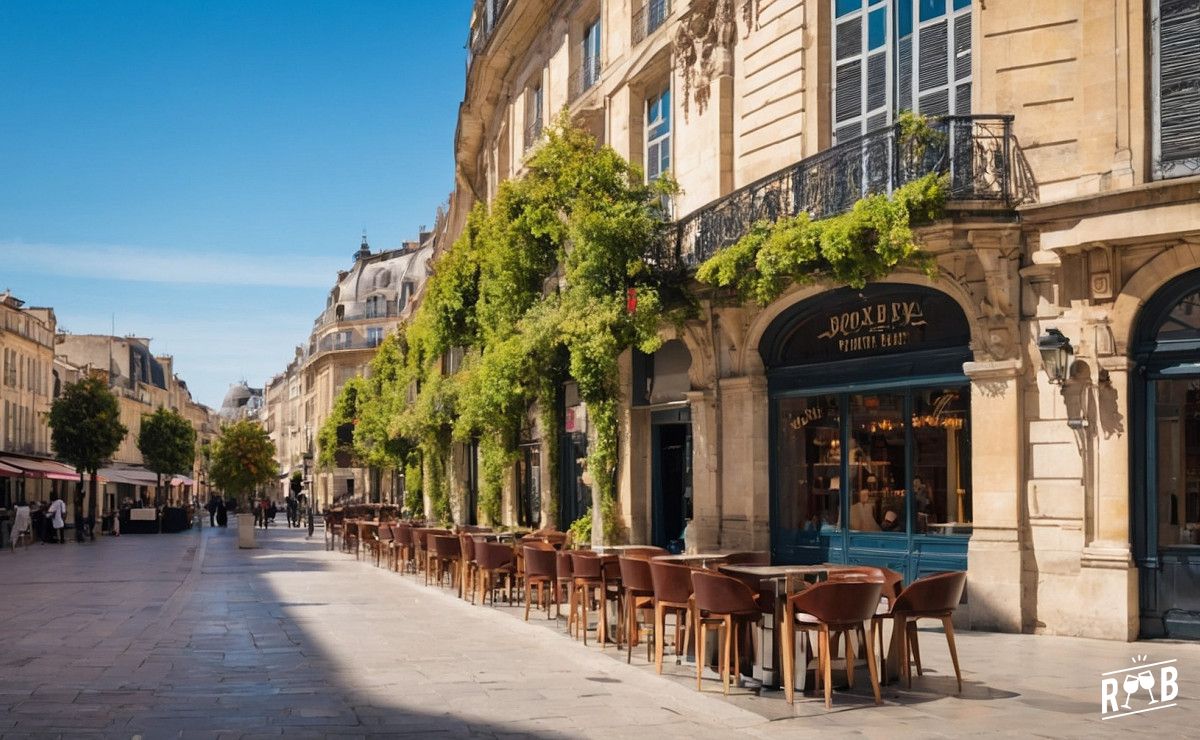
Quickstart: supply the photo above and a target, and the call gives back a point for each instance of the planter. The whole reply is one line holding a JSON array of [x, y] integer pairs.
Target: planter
[[245, 527]]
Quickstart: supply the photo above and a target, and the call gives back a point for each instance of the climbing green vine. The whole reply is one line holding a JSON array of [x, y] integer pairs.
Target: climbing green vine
[[866, 243], [534, 291]]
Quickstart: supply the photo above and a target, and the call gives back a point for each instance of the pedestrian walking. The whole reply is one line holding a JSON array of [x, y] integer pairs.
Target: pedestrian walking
[[272, 510], [222, 513], [212, 511], [293, 509], [262, 512], [56, 512]]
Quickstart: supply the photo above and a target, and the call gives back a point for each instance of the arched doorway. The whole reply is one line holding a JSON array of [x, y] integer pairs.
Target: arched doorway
[[1166, 460], [870, 429]]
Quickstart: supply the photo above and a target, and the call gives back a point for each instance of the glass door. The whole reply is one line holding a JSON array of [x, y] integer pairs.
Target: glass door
[[808, 482]]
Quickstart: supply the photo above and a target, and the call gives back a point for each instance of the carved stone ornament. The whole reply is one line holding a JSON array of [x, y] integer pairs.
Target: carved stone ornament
[[703, 48]]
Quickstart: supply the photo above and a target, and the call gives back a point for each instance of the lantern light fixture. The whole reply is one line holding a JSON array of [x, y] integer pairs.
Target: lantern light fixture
[[1056, 353]]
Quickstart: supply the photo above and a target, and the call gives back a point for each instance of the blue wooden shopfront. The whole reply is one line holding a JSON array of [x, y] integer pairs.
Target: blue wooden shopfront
[[870, 430]]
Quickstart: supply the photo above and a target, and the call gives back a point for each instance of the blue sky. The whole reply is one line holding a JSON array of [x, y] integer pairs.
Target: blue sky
[[201, 170]]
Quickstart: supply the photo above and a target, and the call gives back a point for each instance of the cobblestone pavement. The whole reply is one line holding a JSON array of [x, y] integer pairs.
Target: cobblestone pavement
[[187, 636]]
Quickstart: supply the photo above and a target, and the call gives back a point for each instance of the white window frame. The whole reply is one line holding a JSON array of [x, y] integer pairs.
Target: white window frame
[[664, 139]]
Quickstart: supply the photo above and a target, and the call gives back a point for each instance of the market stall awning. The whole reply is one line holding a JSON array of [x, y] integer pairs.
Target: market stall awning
[[10, 471], [41, 468], [182, 480], [131, 476]]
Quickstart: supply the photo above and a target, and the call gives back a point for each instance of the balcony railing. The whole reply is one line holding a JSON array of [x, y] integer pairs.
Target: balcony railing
[[649, 18], [533, 132], [485, 25], [585, 76], [978, 153]]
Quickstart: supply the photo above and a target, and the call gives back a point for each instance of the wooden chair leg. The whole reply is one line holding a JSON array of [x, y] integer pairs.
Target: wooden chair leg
[[915, 646], [587, 597], [736, 679], [948, 625], [787, 639], [828, 666], [630, 627], [849, 661], [528, 587], [872, 668], [902, 625], [726, 670], [701, 644], [877, 629], [659, 633]]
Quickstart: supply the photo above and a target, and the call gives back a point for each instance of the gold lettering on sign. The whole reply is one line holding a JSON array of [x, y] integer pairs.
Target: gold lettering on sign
[[879, 326]]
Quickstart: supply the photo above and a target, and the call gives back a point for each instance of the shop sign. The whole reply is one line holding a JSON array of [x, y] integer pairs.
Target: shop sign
[[850, 324]]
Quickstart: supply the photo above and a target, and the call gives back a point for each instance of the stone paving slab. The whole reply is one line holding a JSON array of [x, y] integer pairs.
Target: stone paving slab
[[187, 636]]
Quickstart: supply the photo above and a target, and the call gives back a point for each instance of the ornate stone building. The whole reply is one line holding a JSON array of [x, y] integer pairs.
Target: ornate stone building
[[923, 424], [367, 301]]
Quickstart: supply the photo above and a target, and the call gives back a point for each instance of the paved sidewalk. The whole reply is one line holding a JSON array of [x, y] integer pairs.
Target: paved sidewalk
[[185, 635]]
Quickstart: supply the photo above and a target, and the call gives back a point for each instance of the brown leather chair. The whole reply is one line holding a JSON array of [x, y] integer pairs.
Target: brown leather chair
[[468, 569], [447, 556], [383, 541], [673, 593], [587, 576], [835, 606], [402, 544], [725, 603], [639, 594], [493, 559], [563, 584], [931, 597], [541, 571], [423, 548]]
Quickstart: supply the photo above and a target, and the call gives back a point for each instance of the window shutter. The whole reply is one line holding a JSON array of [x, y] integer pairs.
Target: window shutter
[[962, 47], [849, 91], [904, 70], [1178, 83], [933, 57], [876, 81]]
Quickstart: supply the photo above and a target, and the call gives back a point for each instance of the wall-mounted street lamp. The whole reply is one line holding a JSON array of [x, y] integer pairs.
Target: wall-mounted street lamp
[[1056, 355]]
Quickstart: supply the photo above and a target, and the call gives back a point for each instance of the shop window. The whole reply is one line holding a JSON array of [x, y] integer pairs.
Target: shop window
[[1175, 50], [810, 465]]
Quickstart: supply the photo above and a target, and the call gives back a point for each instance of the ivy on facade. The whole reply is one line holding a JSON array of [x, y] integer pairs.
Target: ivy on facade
[[534, 291]]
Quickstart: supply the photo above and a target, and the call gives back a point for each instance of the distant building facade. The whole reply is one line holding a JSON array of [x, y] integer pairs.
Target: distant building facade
[[366, 303]]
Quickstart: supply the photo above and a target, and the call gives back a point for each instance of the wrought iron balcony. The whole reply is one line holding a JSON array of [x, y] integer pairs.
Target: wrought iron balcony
[[978, 153], [485, 25], [585, 76], [533, 132], [649, 17]]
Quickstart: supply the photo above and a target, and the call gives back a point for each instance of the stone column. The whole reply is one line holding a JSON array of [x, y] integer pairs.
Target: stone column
[[706, 510], [1107, 574], [996, 584], [745, 464]]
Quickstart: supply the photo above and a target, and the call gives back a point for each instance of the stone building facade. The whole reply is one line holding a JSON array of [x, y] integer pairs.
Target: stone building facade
[[366, 303], [914, 424], [142, 383]]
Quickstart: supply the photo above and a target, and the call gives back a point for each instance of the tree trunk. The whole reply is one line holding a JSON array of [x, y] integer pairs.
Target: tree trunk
[[92, 505], [79, 509]]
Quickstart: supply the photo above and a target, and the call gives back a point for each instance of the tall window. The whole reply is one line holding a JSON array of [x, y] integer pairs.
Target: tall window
[[1175, 30], [374, 336], [896, 55], [658, 135], [591, 54], [533, 115]]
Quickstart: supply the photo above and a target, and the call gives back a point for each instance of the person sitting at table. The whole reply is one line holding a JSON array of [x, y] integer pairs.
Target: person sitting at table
[[862, 514]]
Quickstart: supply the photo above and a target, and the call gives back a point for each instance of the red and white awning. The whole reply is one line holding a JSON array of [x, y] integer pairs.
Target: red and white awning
[[41, 468]]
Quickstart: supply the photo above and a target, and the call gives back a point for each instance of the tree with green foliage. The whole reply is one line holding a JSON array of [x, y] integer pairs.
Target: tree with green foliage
[[243, 459], [86, 429], [167, 442], [533, 291]]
